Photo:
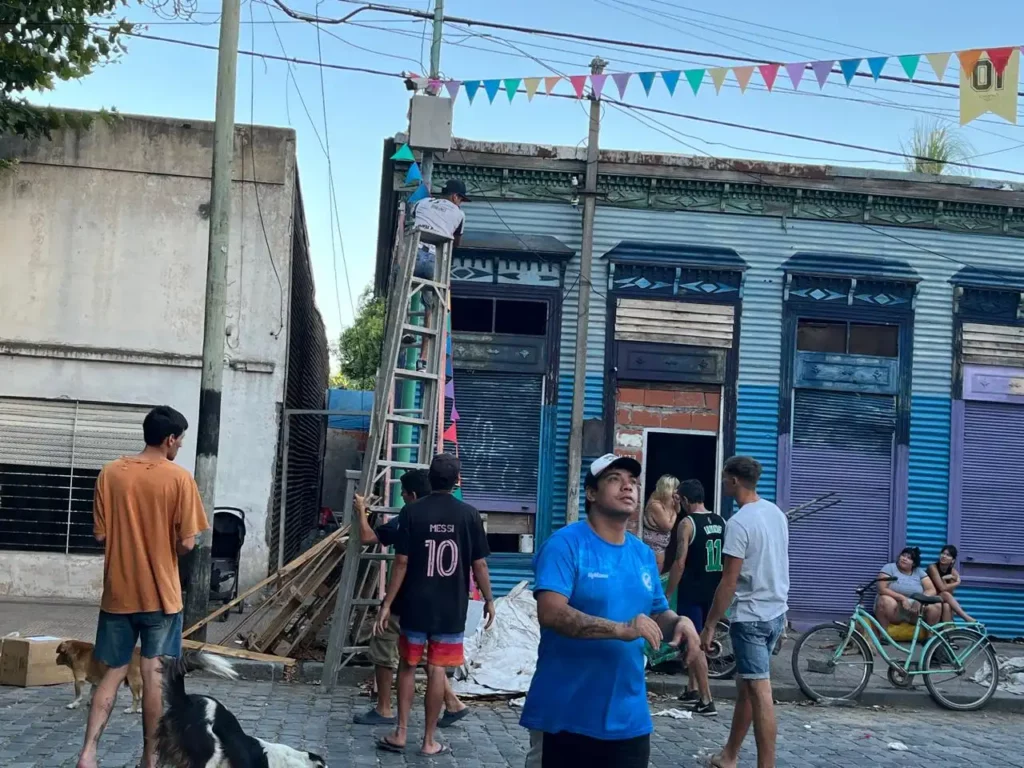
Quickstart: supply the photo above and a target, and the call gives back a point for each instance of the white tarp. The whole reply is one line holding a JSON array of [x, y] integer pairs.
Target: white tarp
[[1011, 675], [502, 660]]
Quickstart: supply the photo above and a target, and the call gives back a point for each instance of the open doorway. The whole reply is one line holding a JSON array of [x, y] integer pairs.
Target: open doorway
[[685, 455]]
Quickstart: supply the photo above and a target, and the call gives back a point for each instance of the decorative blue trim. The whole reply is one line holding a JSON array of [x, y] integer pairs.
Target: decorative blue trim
[[846, 373]]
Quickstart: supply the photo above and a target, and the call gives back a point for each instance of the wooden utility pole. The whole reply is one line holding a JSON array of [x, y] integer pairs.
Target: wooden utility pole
[[208, 432], [572, 507]]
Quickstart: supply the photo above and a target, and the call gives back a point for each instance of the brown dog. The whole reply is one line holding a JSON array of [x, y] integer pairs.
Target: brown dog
[[77, 655]]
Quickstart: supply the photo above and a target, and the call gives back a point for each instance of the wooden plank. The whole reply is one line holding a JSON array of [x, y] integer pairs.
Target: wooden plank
[[660, 338], [682, 307], [310, 628], [237, 653], [684, 329]]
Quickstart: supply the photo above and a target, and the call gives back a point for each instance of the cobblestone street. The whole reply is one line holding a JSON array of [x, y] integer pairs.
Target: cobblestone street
[[36, 731]]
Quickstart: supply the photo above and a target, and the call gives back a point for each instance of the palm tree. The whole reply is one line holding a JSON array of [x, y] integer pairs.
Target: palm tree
[[933, 146]]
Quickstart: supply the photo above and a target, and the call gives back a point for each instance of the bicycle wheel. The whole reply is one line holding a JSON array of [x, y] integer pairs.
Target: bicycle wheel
[[969, 680], [722, 662], [824, 675]]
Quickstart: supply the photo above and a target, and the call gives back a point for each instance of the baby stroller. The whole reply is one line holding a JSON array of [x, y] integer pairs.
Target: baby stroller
[[226, 555]]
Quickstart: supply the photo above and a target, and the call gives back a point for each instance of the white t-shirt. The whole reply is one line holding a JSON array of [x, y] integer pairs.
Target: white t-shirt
[[439, 215], [759, 534]]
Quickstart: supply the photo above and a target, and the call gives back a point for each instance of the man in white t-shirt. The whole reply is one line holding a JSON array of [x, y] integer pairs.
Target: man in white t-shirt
[[442, 215], [755, 571]]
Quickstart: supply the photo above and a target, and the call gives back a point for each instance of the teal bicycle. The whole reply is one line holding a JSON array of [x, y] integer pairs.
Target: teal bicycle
[[834, 662]]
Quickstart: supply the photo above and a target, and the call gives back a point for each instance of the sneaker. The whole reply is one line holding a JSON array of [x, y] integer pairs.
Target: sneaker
[[706, 709], [689, 697]]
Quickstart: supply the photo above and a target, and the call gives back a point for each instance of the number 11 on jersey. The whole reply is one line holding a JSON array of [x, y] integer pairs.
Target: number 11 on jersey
[[714, 556]]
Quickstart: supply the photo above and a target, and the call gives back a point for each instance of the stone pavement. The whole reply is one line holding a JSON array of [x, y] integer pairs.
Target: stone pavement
[[36, 731]]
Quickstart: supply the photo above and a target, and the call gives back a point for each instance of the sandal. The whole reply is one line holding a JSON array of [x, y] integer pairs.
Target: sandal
[[384, 744], [448, 719], [444, 750]]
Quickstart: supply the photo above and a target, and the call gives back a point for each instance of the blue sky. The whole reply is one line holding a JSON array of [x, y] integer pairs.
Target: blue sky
[[361, 110]]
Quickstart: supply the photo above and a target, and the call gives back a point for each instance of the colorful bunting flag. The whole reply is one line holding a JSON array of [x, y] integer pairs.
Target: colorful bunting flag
[[939, 62], [671, 79], [455, 414], [910, 63], [404, 153], [491, 87], [695, 77], [451, 434], [550, 83], [597, 84], [849, 68], [647, 78], [512, 87], [876, 65], [453, 88], [472, 86], [1000, 57], [979, 95], [532, 84], [414, 174], [421, 193], [968, 60], [718, 77], [796, 73], [822, 69], [768, 73], [743, 75], [621, 81], [578, 82], [449, 390]]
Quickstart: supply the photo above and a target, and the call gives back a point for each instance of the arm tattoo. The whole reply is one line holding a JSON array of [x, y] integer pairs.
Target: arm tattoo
[[572, 623]]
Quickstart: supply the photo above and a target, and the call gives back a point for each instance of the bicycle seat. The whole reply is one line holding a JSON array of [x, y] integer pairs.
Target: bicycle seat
[[924, 599]]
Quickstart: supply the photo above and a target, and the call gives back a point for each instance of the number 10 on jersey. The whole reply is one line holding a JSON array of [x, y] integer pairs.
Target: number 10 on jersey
[[443, 557]]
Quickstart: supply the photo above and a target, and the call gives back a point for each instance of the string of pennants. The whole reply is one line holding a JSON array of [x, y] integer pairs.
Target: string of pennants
[[983, 92]]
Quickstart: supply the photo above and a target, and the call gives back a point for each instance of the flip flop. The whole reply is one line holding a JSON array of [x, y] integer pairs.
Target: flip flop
[[373, 717], [387, 746], [444, 750], [448, 719]]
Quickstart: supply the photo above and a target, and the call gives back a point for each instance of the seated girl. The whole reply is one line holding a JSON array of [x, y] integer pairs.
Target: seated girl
[[897, 585], [945, 578]]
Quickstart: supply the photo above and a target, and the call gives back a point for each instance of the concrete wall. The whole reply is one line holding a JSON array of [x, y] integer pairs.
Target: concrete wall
[[104, 249]]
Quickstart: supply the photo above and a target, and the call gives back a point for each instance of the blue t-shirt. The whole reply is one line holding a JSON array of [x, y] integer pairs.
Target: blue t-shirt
[[594, 688]]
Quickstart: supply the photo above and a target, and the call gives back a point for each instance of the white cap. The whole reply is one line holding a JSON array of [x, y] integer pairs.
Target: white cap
[[609, 460]]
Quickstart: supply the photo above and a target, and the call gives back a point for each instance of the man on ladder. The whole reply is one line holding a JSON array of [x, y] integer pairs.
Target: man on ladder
[[442, 215]]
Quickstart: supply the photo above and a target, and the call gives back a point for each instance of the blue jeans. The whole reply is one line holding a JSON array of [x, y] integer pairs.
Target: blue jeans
[[117, 634], [753, 643]]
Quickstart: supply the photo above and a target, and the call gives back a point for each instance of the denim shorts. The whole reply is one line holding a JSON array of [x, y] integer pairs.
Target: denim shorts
[[753, 643], [117, 634]]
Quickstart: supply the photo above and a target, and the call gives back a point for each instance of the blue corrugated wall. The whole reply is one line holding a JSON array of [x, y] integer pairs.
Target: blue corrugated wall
[[757, 431], [928, 484]]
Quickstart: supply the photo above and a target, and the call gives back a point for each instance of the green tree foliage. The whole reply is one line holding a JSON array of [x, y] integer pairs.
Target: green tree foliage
[[359, 345], [43, 42], [934, 146]]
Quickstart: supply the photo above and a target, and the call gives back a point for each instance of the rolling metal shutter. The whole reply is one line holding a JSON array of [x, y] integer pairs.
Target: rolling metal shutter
[[993, 345], [674, 322], [841, 442], [499, 436], [991, 506]]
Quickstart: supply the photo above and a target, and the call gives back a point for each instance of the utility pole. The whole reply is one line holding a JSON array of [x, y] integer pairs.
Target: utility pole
[[572, 507], [208, 431]]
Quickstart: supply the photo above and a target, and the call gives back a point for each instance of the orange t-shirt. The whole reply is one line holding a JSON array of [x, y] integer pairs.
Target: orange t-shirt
[[143, 509]]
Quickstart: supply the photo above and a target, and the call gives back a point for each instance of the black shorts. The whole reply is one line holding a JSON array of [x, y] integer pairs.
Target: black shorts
[[696, 612], [566, 750]]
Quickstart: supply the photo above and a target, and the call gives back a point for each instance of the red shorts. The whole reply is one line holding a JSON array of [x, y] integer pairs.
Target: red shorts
[[442, 650]]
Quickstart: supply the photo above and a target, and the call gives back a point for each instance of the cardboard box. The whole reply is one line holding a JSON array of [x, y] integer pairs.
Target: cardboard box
[[31, 661]]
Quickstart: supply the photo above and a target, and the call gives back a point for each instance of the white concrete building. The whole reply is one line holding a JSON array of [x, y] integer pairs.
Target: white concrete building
[[103, 245]]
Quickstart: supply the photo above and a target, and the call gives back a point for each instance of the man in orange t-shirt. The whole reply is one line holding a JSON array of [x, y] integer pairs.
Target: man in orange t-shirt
[[146, 512]]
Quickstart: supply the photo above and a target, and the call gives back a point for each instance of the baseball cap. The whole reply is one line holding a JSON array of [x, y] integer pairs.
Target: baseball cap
[[610, 461], [455, 187]]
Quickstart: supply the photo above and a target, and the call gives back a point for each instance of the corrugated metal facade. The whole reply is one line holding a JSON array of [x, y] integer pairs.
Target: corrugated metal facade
[[765, 243]]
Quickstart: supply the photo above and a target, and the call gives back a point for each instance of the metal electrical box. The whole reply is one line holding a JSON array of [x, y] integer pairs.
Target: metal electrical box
[[430, 123]]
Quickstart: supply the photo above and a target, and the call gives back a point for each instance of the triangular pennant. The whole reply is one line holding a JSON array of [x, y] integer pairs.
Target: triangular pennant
[[718, 77], [532, 84], [849, 68], [695, 77], [768, 73], [414, 174], [550, 83], [796, 73], [471, 86], [578, 82], [979, 95], [671, 79], [822, 69], [743, 75], [647, 78], [999, 57], [939, 62], [452, 86], [451, 435], [491, 87], [512, 86], [449, 390], [968, 60], [455, 414], [421, 193], [597, 84], [876, 65], [404, 153], [434, 86], [910, 62], [621, 81]]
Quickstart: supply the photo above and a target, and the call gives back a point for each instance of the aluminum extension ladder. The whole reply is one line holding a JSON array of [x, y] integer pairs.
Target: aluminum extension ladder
[[420, 326]]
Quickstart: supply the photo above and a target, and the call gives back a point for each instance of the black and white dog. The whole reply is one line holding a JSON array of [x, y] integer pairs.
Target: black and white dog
[[200, 732]]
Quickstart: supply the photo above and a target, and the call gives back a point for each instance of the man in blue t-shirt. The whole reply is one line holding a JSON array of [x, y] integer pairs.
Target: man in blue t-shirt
[[599, 598]]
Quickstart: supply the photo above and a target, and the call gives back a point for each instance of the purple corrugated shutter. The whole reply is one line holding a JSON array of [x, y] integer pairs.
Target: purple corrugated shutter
[[842, 442], [991, 505]]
